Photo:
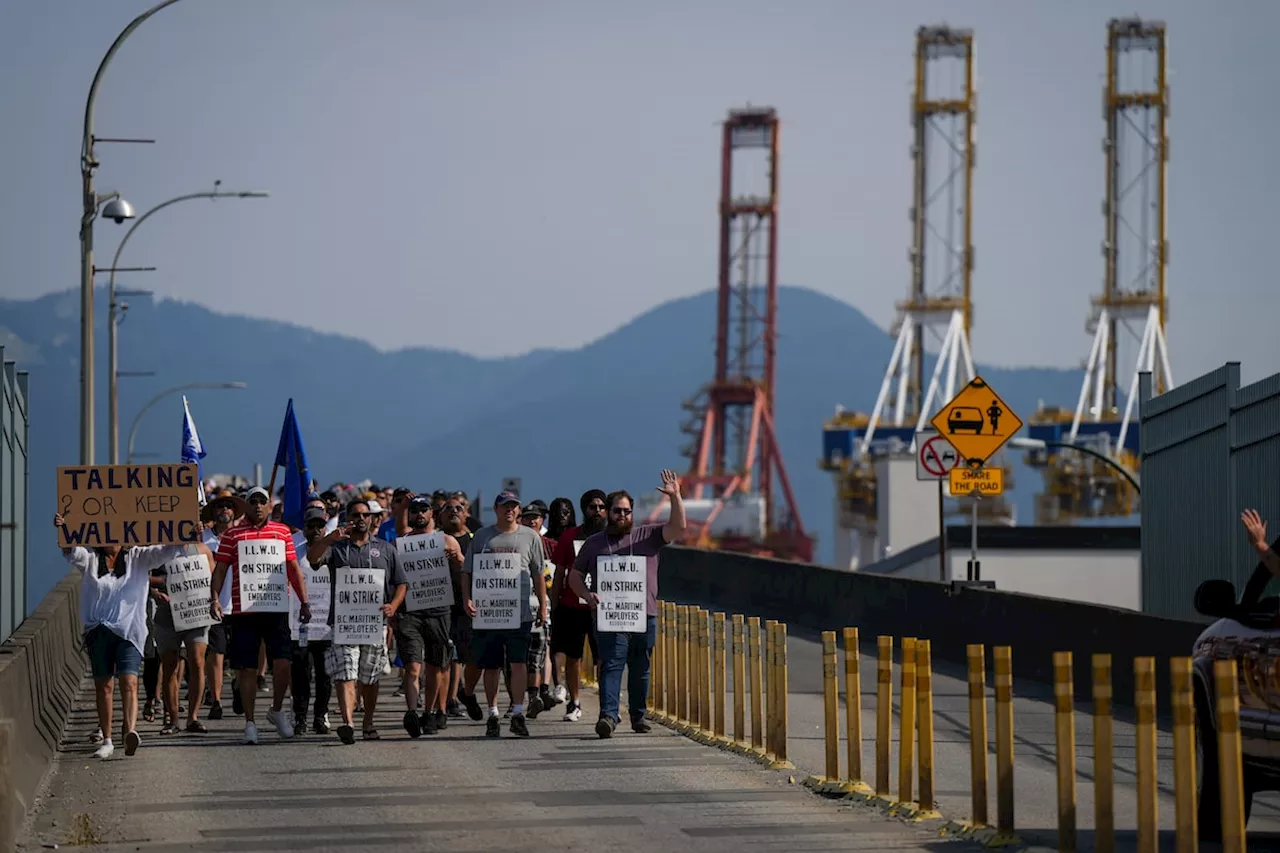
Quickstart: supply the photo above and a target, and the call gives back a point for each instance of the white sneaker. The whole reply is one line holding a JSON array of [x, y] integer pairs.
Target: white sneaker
[[574, 713], [250, 733], [104, 752], [561, 693], [281, 721], [97, 737]]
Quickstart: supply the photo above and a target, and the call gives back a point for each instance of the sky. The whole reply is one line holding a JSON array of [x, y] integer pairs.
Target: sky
[[495, 177]]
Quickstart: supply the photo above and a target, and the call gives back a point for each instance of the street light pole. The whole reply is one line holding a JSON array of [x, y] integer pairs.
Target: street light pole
[[113, 397], [133, 430], [90, 201], [1040, 444]]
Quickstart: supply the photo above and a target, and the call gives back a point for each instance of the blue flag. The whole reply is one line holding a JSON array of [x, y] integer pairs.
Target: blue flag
[[292, 456], [192, 447]]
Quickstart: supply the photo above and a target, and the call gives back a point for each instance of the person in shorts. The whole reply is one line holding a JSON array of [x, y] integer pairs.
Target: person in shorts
[[573, 625], [169, 644], [250, 631]]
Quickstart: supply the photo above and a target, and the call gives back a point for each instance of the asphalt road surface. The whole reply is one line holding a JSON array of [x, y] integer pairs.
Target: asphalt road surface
[[561, 789]]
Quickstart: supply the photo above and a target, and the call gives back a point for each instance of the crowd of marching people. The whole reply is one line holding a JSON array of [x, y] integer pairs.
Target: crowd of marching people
[[378, 582]]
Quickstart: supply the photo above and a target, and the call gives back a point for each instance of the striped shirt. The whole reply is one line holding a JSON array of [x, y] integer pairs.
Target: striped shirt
[[229, 550]]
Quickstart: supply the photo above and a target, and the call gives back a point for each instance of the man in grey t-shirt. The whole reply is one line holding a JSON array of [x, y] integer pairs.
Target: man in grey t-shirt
[[508, 552]]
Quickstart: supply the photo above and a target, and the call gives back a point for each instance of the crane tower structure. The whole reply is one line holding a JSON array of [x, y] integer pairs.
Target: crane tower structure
[[1135, 251], [939, 307], [738, 494]]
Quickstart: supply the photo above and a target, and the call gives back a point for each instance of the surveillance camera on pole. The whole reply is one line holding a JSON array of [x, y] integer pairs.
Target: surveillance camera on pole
[[118, 210]]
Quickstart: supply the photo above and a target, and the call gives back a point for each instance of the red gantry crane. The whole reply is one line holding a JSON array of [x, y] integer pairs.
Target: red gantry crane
[[738, 496]]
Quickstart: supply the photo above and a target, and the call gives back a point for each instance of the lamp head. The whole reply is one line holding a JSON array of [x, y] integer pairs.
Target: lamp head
[[118, 210]]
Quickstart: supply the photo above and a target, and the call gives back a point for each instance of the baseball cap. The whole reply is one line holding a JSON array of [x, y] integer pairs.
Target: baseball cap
[[315, 513], [533, 509], [419, 502], [257, 490], [374, 506], [506, 498]]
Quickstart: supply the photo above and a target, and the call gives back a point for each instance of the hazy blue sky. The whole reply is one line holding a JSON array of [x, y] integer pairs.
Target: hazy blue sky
[[494, 177]]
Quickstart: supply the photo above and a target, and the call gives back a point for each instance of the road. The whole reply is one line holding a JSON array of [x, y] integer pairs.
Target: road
[[1035, 772], [561, 789]]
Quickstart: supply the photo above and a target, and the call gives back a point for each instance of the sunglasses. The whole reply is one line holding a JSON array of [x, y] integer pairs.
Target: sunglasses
[[620, 511], [317, 523], [419, 510], [257, 501], [359, 514]]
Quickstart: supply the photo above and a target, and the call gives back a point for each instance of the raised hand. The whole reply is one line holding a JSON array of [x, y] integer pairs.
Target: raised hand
[[1256, 528], [670, 483]]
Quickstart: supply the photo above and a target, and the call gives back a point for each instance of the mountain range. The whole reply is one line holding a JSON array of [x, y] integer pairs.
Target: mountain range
[[604, 415]]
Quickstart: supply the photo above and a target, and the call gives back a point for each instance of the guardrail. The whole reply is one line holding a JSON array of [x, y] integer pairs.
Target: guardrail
[[691, 676], [14, 425]]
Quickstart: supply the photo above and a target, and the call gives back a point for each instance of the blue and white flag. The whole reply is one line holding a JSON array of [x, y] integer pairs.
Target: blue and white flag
[[192, 447]]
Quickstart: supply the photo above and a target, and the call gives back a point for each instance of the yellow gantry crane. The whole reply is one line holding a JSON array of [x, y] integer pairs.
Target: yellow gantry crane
[[1134, 295]]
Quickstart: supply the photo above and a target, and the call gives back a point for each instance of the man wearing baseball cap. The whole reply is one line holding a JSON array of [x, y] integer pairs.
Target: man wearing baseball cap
[[266, 626], [494, 647]]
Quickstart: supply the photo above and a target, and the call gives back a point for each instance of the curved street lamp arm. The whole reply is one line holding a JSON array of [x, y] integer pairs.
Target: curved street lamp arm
[[1088, 451], [137, 419], [87, 141]]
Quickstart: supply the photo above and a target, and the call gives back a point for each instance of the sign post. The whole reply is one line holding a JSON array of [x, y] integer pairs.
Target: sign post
[[977, 423], [935, 459]]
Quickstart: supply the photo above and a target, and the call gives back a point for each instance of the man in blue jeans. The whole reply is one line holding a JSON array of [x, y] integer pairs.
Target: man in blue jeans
[[616, 551]]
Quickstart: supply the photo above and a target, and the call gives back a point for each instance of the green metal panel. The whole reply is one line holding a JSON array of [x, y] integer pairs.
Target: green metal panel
[[1209, 450], [14, 544]]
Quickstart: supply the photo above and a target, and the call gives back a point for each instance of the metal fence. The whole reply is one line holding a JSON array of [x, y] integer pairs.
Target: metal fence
[[1210, 449], [13, 496]]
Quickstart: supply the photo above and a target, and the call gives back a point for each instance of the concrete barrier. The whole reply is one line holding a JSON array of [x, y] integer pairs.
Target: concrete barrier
[[823, 599], [40, 669]]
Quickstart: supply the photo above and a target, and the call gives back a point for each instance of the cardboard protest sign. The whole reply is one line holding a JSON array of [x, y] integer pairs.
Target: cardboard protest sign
[[128, 505]]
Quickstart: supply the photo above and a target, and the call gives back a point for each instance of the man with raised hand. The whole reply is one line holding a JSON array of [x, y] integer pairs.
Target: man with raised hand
[[499, 567], [352, 546], [259, 622], [615, 550], [423, 631]]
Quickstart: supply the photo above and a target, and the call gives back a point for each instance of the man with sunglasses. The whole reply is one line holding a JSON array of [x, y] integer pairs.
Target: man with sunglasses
[[451, 518], [308, 660], [619, 649], [249, 630], [496, 647]]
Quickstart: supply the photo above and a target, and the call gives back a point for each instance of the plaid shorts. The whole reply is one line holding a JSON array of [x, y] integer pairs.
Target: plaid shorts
[[356, 663], [538, 642]]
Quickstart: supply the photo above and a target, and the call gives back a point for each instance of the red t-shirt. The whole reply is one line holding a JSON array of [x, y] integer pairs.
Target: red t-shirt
[[229, 550], [563, 558]]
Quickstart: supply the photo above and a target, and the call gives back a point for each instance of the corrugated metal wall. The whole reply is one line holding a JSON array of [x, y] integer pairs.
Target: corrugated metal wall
[[1209, 450], [13, 496]]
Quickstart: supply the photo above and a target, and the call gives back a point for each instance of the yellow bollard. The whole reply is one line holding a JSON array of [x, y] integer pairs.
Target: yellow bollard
[[978, 731], [672, 655], [1004, 739], [853, 705], [780, 649], [682, 652], [927, 799], [700, 678], [907, 719], [831, 705], [757, 679], [588, 667], [704, 663], [770, 687], [1230, 766], [717, 672], [1184, 755], [1064, 719], [739, 680], [1144, 706], [655, 670], [884, 712], [1104, 811]]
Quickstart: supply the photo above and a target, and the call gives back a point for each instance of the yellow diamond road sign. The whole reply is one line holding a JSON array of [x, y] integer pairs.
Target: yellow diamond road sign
[[977, 422]]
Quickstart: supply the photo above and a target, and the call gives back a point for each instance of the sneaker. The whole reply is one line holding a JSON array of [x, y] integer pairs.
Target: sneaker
[[346, 734], [215, 711], [474, 711], [427, 722], [641, 726], [412, 725], [535, 706], [250, 733], [131, 743], [105, 751], [493, 728], [262, 684], [279, 719], [320, 725], [561, 694], [97, 737], [518, 726], [441, 718], [300, 724], [506, 715], [573, 713], [549, 699], [605, 727], [399, 691], [453, 708]]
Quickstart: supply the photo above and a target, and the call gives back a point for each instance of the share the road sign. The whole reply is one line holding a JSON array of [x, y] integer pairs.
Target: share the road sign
[[979, 481], [935, 456], [977, 423]]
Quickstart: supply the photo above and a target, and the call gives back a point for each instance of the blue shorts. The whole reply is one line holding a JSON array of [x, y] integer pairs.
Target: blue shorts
[[110, 654]]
